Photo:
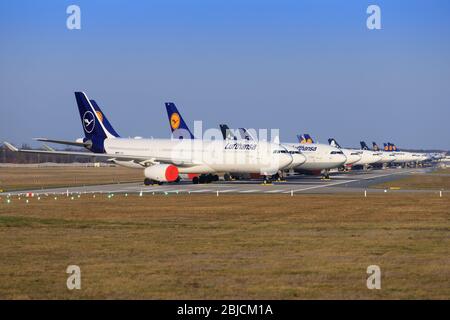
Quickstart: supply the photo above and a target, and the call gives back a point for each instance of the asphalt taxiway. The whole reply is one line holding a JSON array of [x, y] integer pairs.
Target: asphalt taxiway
[[353, 181]]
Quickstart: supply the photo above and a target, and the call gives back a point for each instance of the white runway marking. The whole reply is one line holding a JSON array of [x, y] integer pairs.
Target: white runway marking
[[248, 191], [275, 191], [325, 185], [229, 190], [203, 190]]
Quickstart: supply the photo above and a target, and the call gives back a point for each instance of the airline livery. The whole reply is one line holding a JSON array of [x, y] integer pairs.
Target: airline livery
[[162, 160]]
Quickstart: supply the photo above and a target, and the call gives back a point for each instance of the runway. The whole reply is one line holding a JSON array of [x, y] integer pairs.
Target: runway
[[356, 181]]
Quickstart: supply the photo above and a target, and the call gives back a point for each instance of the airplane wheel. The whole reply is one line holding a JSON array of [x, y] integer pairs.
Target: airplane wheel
[[202, 179], [178, 179], [195, 180], [216, 178], [147, 181], [226, 177]]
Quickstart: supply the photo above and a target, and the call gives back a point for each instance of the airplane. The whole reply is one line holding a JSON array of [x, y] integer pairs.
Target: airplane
[[401, 157], [404, 157], [368, 157], [320, 158], [162, 160], [297, 157], [352, 156], [172, 112], [386, 156]]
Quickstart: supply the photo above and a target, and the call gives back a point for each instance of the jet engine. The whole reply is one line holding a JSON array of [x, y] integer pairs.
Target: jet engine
[[161, 173]]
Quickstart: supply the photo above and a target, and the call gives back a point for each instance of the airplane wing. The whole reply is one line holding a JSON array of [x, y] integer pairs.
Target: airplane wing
[[70, 143], [142, 160]]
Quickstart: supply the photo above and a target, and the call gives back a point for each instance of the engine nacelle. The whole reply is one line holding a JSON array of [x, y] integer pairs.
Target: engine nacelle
[[162, 172]]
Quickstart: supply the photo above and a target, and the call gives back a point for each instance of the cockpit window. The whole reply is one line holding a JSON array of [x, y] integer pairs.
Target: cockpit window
[[336, 152]]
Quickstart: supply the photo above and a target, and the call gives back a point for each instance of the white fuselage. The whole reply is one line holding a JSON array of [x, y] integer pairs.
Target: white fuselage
[[298, 158], [319, 156], [368, 157], [352, 156], [386, 157], [205, 156]]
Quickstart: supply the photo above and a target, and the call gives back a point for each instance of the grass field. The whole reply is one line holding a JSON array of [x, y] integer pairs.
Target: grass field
[[50, 177], [419, 181], [442, 171], [244, 246]]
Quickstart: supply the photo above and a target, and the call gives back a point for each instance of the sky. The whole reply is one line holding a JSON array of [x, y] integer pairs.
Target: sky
[[299, 66]]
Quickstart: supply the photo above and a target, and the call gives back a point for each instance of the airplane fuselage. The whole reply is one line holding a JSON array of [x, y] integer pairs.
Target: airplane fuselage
[[203, 156]]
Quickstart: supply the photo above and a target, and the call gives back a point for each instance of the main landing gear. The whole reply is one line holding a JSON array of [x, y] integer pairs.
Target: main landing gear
[[326, 175], [205, 178], [149, 182]]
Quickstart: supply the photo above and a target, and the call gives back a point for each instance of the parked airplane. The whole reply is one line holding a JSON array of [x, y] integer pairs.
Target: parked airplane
[[245, 136], [352, 155], [297, 157], [320, 158], [164, 159]]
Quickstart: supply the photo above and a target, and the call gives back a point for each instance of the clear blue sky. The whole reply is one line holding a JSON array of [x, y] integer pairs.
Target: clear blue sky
[[301, 66]]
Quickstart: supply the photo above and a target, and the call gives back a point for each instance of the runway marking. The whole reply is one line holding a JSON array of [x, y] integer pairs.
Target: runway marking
[[275, 191], [248, 191], [324, 186], [202, 190], [229, 190]]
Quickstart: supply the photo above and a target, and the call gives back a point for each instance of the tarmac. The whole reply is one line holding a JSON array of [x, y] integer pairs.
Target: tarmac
[[353, 181]]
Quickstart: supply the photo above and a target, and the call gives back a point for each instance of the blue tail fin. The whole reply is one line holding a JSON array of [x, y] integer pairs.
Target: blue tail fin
[[305, 138], [392, 147], [92, 121], [332, 142], [363, 145], [227, 134], [107, 124], [179, 128], [375, 147]]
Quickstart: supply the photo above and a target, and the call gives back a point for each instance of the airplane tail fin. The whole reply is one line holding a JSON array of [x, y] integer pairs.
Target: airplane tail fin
[[92, 120], [305, 138], [375, 147], [226, 133], [393, 147], [179, 128], [363, 145], [245, 134], [386, 147], [332, 142], [107, 124]]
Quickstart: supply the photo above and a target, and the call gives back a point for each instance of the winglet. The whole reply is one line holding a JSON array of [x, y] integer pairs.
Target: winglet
[[10, 146]]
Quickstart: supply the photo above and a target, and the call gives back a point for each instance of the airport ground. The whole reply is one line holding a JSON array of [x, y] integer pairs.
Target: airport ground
[[255, 245]]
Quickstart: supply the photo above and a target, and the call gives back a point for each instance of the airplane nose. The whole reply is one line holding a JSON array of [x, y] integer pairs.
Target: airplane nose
[[342, 158], [297, 159], [285, 160]]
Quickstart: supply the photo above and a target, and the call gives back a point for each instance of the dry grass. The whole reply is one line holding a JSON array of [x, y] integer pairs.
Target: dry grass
[[36, 178], [419, 181], [442, 171], [233, 246]]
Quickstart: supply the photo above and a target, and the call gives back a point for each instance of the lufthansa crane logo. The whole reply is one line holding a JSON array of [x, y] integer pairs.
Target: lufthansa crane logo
[[175, 121], [88, 121]]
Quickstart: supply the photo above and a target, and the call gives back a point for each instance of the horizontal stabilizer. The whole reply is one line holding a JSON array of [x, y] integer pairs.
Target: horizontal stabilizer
[[69, 143], [10, 146]]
